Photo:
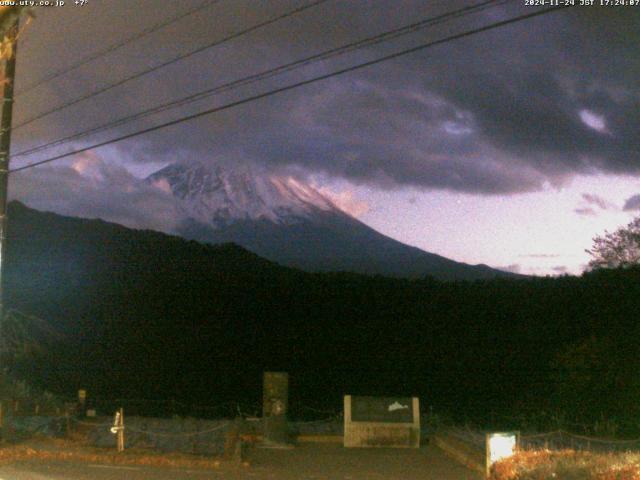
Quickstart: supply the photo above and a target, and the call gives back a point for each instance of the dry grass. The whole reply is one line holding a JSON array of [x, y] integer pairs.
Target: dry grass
[[72, 451], [568, 465]]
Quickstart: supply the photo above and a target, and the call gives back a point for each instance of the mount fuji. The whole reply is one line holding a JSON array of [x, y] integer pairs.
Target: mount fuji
[[292, 223]]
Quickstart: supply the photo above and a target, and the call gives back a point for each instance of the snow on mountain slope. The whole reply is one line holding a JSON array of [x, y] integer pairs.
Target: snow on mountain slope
[[289, 222], [219, 196]]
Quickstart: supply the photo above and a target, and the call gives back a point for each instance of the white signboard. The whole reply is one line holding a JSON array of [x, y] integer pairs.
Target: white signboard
[[499, 446]]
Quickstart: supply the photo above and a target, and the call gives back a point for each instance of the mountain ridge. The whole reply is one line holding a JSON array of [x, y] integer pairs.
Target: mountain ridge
[[292, 223], [142, 314]]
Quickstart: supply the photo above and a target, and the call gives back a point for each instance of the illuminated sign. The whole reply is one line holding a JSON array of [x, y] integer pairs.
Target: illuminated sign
[[500, 445]]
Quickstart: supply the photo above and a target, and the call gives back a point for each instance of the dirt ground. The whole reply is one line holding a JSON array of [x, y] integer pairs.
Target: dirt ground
[[333, 462], [304, 462]]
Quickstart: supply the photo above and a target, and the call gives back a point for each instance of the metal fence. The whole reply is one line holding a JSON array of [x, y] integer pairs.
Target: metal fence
[[561, 439], [554, 440]]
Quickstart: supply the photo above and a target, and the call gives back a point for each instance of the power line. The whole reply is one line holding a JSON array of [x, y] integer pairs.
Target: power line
[[298, 84], [170, 62], [324, 55], [94, 56]]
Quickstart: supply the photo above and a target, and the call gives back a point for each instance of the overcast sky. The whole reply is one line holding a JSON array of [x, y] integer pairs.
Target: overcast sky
[[512, 147]]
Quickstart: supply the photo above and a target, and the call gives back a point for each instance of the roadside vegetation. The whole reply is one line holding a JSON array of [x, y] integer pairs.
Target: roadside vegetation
[[567, 465]]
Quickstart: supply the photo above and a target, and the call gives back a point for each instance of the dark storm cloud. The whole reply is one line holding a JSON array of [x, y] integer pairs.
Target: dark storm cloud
[[632, 203], [598, 201], [503, 112], [93, 188], [593, 204], [585, 211]]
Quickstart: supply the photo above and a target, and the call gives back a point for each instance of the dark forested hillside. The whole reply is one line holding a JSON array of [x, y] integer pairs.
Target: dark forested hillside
[[149, 315]]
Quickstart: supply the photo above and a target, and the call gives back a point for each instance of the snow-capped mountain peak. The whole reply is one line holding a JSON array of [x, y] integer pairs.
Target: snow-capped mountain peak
[[290, 222], [220, 195]]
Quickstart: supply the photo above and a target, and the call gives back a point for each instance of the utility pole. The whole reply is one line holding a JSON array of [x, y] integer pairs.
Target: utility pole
[[9, 17]]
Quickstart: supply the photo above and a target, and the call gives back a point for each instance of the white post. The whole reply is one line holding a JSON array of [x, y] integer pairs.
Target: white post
[[121, 431]]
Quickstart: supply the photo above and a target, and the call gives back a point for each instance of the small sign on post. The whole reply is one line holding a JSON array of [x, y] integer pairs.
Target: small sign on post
[[500, 445], [82, 398]]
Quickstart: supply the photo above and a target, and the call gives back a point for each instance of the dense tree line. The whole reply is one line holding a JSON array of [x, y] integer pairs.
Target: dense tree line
[[142, 314]]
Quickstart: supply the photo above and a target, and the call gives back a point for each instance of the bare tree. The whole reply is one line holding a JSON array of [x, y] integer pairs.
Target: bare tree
[[619, 249]]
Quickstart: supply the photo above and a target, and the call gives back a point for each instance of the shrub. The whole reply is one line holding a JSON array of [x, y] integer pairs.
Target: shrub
[[567, 465]]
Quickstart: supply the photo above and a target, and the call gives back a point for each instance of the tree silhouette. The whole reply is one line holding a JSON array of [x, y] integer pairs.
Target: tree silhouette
[[619, 249]]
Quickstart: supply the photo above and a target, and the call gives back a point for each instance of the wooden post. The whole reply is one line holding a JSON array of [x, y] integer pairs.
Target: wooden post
[[121, 431], [7, 77], [1, 415]]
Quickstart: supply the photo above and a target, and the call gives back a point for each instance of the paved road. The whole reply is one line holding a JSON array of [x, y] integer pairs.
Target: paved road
[[306, 462]]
